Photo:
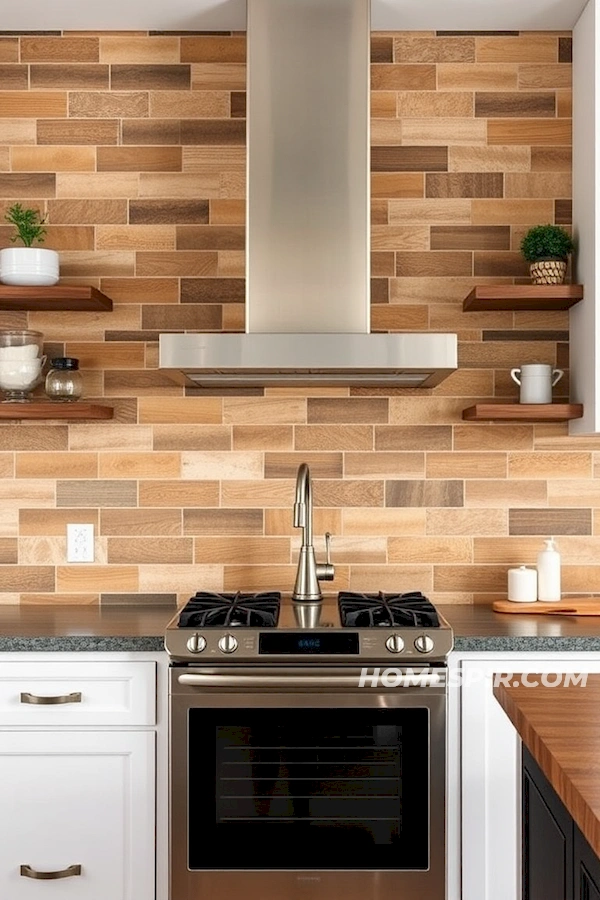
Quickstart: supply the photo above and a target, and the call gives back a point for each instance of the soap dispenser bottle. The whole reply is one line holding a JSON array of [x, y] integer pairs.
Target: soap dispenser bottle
[[548, 568]]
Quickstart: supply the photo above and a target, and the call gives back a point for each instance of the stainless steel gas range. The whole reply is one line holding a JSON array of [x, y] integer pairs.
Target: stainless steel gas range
[[308, 747]]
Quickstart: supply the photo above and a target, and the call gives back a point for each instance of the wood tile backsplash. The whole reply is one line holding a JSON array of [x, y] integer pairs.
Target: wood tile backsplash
[[134, 147]]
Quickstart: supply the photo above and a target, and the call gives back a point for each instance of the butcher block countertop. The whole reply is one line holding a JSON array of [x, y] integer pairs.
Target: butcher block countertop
[[560, 726], [131, 626]]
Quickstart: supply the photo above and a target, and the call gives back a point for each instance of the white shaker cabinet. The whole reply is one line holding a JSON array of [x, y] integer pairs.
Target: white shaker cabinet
[[77, 778], [490, 770]]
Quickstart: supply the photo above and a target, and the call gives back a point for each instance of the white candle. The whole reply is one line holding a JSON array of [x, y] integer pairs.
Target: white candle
[[522, 585]]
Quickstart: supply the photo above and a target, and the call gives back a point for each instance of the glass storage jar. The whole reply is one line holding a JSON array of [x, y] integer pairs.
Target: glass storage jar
[[64, 381]]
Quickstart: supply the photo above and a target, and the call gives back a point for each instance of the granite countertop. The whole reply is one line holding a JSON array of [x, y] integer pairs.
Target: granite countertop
[[560, 727], [133, 627]]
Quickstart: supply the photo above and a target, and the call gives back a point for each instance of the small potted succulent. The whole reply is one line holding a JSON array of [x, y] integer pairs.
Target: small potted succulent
[[29, 264], [547, 249]]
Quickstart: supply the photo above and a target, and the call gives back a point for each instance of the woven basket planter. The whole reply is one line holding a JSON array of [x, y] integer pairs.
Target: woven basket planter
[[548, 271]]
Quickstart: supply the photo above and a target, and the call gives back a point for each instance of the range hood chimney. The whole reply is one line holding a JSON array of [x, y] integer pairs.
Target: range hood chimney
[[307, 218]]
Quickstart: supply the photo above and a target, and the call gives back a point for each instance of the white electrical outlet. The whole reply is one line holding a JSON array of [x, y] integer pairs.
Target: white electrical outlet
[[80, 543]]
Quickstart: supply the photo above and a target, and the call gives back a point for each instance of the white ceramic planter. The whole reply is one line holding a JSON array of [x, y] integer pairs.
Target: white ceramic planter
[[28, 266]]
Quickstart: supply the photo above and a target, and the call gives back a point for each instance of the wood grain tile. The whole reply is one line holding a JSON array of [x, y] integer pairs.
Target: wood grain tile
[[161, 578], [355, 550], [466, 521], [383, 522], [526, 48], [466, 383], [194, 105], [31, 104], [348, 493], [57, 465], [538, 184], [8, 551], [96, 493], [227, 212], [565, 49], [409, 159], [150, 550], [130, 49], [544, 77], [87, 212], [530, 131], [218, 76], [210, 237], [563, 212], [258, 494], [140, 465], [36, 437], [436, 50], [151, 131], [146, 212], [71, 77], [505, 493], [77, 131], [242, 522], [412, 437], [386, 131], [181, 410], [464, 184], [260, 410], [382, 48], [333, 437], [364, 578], [424, 131], [425, 410], [27, 578], [514, 212], [96, 185], [429, 211], [9, 49], [60, 49], [285, 465], [170, 317], [489, 159], [470, 237], [17, 131], [489, 263], [476, 77], [98, 578], [279, 521], [383, 264], [192, 437], [262, 578], [56, 159], [213, 132], [564, 104], [262, 437], [402, 77], [240, 550], [135, 237], [437, 264], [466, 465], [424, 493], [347, 411], [383, 104], [178, 263], [456, 578], [446, 550], [14, 78], [178, 494], [384, 464], [493, 437], [399, 237], [103, 104], [213, 49], [500, 104], [53, 521], [549, 465], [430, 104], [550, 521], [139, 159], [399, 318], [26, 493], [211, 464], [398, 184], [159, 77], [178, 186]]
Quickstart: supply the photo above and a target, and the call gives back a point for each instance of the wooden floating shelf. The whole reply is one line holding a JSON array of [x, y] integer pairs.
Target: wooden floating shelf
[[523, 297], [40, 409], [526, 412], [59, 297]]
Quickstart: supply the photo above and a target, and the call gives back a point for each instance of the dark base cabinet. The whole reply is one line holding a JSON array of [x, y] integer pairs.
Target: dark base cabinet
[[558, 862]]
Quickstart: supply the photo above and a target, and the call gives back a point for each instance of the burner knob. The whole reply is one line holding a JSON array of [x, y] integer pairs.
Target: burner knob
[[424, 644], [196, 643], [394, 643], [227, 644]]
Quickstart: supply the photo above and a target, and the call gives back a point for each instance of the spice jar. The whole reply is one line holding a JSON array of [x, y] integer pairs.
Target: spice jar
[[64, 381]]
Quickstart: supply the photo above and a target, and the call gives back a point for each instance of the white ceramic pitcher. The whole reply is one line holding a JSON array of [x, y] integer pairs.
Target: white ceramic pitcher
[[536, 381]]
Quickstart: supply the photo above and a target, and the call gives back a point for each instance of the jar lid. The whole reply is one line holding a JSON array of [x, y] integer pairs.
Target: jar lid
[[64, 362]]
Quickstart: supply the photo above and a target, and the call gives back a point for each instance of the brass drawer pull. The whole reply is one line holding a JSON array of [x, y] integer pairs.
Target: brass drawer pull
[[75, 697], [28, 872]]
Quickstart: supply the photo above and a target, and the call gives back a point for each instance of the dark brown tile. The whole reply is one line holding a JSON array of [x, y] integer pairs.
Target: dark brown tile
[[151, 131], [34, 437], [348, 411], [238, 104], [409, 159], [489, 104], [195, 317], [132, 336], [77, 131], [139, 159], [562, 355], [464, 184], [382, 49], [424, 493], [213, 132], [470, 237], [563, 212], [87, 212], [14, 78], [213, 290], [210, 237], [8, 551], [223, 521], [549, 521], [413, 437], [27, 185], [380, 290], [383, 264], [322, 465], [9, 50], [140, 600], [379, 212], [82, 77], [150, 78], [525, 335], [500, 263], [215, 49], [83, 492], [403, 77], [166, 212], [434, 264], [482, 33], [565, 49], [49, 33]]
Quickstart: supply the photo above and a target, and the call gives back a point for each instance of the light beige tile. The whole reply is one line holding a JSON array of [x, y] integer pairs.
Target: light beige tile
[[97, 578], [507, 493], [443, 131], [549, 465], [262, 578], [493, 437], [187, 578], [425, 410], [96, 185], [467, 521], [264, 410], [236, 550], [429, 212], [333, 437], [179, 493], [273, 492], [280, 521], [384, 521], [9, 523], [206, 410], [263, 437], [446, 550], [466, 465], [135, 237], [110, 437], [189, 105], [57, 465], [573, 492], [489, 159], [349, 550], [219, 76], [394, 578], [399, 237], [157, 49], [17, 131], [226, 466], [476, 77], [140, 465], [382, 465]]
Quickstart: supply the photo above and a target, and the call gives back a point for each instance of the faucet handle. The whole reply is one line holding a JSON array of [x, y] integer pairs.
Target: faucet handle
[[326, 571]]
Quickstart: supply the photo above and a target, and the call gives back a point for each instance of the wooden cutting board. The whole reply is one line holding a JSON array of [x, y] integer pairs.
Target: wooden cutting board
[[575, 606]]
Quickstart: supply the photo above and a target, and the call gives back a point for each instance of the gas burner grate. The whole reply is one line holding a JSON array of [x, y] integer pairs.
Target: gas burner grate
[[214, 610], [411, 610]]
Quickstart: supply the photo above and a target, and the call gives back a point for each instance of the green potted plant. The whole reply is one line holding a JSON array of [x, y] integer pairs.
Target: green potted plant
[[29, 264], [547, 249]]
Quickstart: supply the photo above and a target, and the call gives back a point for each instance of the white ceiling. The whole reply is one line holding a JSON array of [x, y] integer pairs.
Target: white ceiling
[[226, 15]]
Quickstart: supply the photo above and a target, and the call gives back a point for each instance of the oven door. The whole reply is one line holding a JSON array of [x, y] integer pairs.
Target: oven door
[[296, 784]]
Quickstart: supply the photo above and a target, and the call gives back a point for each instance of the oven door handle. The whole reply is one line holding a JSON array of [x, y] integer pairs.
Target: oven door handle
[[282, 681]]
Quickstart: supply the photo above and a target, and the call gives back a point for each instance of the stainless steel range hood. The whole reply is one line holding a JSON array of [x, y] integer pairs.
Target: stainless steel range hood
[[307, 223]]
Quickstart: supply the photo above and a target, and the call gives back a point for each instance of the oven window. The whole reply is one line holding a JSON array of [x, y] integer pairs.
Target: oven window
[[308, 789]]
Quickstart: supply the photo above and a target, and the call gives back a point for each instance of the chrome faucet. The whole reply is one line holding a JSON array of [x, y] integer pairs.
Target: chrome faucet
[[310, 572]]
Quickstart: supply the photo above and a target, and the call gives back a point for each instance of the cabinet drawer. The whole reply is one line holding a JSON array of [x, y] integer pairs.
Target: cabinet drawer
[[77, 693]]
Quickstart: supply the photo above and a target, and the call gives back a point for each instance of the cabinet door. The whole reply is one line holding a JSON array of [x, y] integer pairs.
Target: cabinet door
[[587, 870], [547, 839], [77, 799]]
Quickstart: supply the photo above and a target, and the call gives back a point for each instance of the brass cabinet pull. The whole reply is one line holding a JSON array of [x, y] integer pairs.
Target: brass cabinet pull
[[28, 872], [75, 697]]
